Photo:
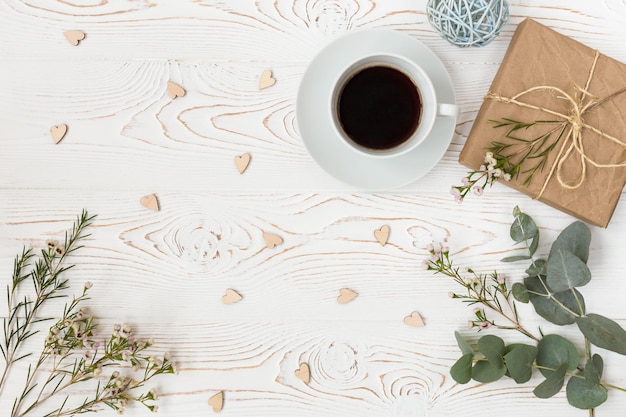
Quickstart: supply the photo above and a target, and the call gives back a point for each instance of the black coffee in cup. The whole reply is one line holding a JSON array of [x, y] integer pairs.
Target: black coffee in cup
[[379, 107]]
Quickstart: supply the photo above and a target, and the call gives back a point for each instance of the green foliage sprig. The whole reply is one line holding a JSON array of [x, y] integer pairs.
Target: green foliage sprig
[[114, 367], [515, 158], [551, 285]]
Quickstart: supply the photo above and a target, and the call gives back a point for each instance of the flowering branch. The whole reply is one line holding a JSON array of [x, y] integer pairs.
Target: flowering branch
[[72, 353], [516, 157], [47, 283], [489, 290], [494, 168]]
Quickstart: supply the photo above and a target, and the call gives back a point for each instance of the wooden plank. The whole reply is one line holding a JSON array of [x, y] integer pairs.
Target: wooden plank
[[199, 245], [265, 30]]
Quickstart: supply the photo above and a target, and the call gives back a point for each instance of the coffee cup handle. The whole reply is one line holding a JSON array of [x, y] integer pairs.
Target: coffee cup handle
[[447, 110]]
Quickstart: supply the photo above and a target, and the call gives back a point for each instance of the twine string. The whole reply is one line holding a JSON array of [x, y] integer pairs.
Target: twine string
[[580, 102]]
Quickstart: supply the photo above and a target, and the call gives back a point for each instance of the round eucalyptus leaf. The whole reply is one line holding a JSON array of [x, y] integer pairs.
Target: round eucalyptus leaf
[[550, 309], [592, 373], [565, 270], [484, 371], [493, 348], [537, 268], [552, 384], [603, 332], [520, 293], [519, 361], [461, 371], [463, 345], [580, 394], [575, 238], [599, 363], [523, 228], [553, 351]]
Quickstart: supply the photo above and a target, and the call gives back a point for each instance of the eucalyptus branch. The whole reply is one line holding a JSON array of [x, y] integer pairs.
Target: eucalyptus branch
[[552, 287]]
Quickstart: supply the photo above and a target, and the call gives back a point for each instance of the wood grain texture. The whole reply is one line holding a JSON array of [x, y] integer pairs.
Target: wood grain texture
[[165, 272]]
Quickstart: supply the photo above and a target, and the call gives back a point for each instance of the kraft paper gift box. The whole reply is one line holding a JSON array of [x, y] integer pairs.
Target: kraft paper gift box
[[577, 94]]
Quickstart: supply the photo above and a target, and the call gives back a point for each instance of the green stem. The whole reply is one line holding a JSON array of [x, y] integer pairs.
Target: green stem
[[545, 286], [46, 282], [606, 385], [454, 274], [9, 346]]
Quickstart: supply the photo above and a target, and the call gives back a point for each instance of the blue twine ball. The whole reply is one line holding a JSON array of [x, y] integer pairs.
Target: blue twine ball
[[468, 22]]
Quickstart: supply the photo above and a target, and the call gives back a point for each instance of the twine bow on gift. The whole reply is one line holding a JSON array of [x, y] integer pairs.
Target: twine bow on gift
[[581, 102]]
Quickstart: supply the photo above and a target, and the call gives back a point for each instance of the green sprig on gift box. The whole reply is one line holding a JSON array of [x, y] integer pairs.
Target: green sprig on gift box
[[551, 285], [517, 157]]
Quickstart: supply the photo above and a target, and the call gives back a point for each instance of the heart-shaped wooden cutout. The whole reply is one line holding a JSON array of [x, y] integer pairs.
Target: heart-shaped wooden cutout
[[231, 297], [74, 36], [150, 202], [58, 132], [382, 235], [242, 162], [266, 80], [414, 320], [303, 373], [174, 90], [271, 240], [217, 401], [346, 295]]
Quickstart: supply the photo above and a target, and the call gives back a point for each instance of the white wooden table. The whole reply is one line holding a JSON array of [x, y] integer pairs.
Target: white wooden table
[[165, 272]]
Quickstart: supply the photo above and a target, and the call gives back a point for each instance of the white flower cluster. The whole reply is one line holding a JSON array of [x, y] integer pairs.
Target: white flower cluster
[[493, 173]]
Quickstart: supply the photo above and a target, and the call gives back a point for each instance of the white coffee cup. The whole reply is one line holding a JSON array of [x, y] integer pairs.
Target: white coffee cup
[[430, 108]]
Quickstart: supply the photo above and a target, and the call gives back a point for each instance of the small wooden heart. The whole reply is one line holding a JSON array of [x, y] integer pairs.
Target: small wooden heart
[[346, 295], [217, 401], [414, 320], [266, 80], [150, 202], [74, 36], [242, 162], [58, 132], [303, 373], [231, 297], [382, 235], [174, 90], [272, 240]]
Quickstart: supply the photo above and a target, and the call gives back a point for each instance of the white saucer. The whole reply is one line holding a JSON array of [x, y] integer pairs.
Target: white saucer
[[326, 146]]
